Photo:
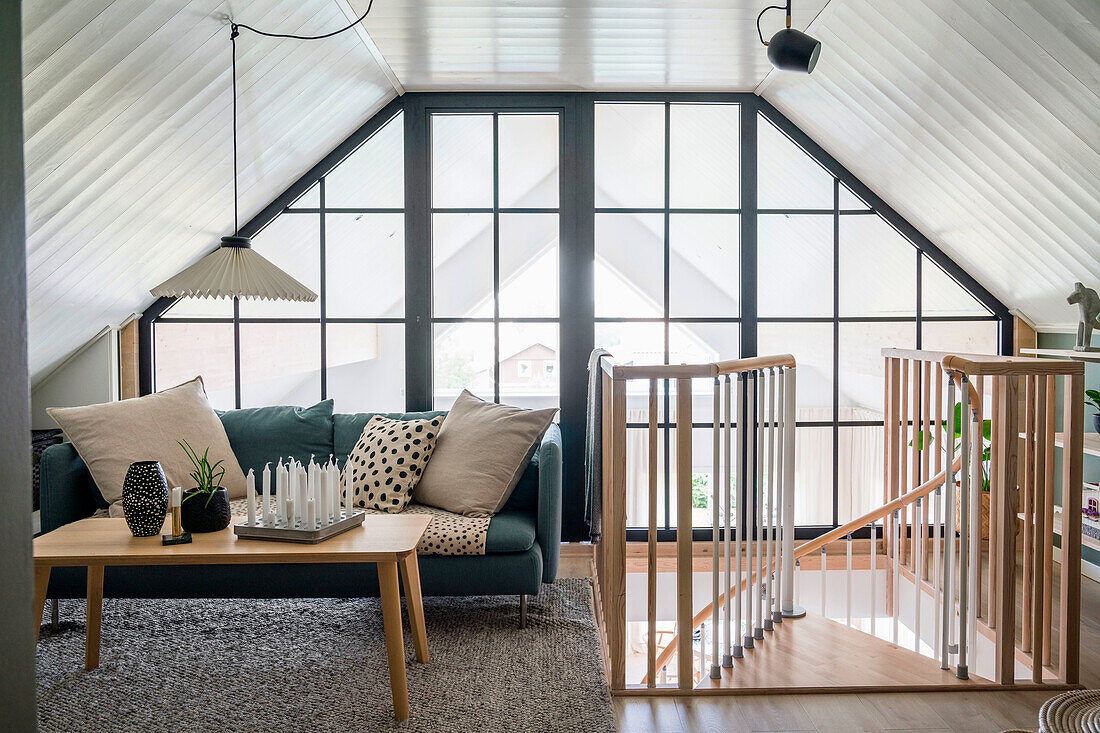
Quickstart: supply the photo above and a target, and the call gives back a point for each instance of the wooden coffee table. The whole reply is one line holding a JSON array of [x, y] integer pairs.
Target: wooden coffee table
[[388, 541]]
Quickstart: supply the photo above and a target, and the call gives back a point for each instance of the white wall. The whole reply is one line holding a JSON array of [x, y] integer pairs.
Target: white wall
[[87, 378]]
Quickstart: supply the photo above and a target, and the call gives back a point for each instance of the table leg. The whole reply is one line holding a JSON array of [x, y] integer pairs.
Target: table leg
[[41, 585], [95, 615], [395, 643], [416, 606]]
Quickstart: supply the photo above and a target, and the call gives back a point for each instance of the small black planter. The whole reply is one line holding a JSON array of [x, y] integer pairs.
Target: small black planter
[[144, 498], [1096, 422], [199, 515]]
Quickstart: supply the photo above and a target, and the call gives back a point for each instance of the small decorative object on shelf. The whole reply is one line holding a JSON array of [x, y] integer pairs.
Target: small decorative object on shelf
[[178, 536], [1088, 306], [205, 506], [306, 505], [144, 498]]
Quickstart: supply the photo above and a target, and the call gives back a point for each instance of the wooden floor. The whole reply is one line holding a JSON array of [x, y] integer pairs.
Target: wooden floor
[[964, 711]]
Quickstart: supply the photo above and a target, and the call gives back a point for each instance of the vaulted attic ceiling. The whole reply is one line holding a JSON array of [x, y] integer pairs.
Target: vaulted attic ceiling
[[976, 119]]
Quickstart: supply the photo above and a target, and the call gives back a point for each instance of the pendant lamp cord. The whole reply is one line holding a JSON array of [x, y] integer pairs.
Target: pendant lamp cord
[[235, 30], [760, 33]]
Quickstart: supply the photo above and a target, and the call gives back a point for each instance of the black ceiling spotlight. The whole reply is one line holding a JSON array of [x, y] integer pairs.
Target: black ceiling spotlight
[[790, 49]]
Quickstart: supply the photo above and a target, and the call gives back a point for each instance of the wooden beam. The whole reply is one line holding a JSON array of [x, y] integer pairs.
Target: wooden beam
[[129, 362]]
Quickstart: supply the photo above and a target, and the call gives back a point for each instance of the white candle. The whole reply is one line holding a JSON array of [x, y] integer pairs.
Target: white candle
[[311, 514], [266, 487], [177, 496], [300, 497], [250, 490], [280, 492], [321, 492], [334, 490]]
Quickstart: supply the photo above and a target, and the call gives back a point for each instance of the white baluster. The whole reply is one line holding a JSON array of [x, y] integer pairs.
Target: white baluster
[[761, 495], [947, 609], [918, 571], [964, 533], [769, 533], [716, 527], [937, 539], [976, 446], [874, 572], [750, 498], [824, 572], [896, 541], [739, 535], [727, 654], [777, 531]]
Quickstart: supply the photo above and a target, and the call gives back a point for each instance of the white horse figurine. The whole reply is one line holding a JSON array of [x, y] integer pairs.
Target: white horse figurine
[[1088, 304]]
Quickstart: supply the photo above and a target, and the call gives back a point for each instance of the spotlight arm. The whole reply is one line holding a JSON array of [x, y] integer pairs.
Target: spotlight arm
[[786, 7]]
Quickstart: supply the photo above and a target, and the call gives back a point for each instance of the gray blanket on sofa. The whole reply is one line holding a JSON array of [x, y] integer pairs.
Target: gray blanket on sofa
[[593, 446]]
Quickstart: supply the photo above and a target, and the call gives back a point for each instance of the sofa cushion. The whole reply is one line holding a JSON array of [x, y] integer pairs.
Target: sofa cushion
[[482, 452], [262, 434], [111, 436], [510, 531], [387, 462], [347, 427]]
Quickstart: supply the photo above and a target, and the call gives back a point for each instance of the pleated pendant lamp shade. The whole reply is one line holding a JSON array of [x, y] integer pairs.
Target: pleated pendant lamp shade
[[234, 270]]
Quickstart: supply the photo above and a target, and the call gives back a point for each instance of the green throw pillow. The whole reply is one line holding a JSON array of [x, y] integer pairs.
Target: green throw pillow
[[261, 434]]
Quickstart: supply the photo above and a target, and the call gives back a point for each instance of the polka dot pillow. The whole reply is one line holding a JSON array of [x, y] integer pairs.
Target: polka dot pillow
[[388, 460]]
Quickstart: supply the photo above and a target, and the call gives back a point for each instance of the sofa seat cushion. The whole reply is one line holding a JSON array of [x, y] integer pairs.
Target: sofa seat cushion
[[511, 531]]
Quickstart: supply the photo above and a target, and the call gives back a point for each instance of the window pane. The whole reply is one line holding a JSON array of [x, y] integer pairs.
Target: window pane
[[293, 243], [633, 343], [813, 476], [462, 265], [629, 265], [280, 364], [704, 265], [795, 265], [630, 155], [878, 269], [184, 350], [529, 369], [365, 265], [860, 460], [702, 343], [850, 202], [463, 355], [374, 175], [962, 337], [789, 178], [862, 369], [528, 160], [462, 161], [528, 265], [704, 156], [637, 467], [942, 296], [812, 347], [366, 366]]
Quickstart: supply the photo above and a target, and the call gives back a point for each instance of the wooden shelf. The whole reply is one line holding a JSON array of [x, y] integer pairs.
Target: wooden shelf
[[1091, 442], [1065, 354]]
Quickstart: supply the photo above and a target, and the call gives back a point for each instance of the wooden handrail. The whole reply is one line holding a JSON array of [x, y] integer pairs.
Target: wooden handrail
[[816, 544], [1018, 367], [938, 356], [774, 361]]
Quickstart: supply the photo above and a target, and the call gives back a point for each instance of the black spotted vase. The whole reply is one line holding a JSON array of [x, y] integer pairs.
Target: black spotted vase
[[145, 498]]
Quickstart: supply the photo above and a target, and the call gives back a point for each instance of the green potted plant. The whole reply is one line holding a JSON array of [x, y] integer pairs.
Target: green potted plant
[[987, 440], [1092, 399], [205, 505]]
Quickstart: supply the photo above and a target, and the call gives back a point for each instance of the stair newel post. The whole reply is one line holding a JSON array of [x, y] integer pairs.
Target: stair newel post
[[1005, 474], [1073, 415], [685, 666], [716, 528], [788, 607], [976, 447]]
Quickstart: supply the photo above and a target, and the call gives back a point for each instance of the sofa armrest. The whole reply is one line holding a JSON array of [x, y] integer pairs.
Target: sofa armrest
[[549, 509], [66, 490]]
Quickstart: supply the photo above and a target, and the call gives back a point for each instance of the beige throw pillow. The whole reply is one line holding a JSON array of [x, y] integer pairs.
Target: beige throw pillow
[[111, 436], [388, 460], [480, 455]]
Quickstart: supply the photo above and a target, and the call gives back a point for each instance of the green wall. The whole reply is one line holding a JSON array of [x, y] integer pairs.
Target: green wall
[[1092, 381]]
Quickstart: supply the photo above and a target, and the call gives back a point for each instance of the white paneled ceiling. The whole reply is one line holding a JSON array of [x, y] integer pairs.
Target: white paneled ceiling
[[576, 44], [128, 140], [979, 121]]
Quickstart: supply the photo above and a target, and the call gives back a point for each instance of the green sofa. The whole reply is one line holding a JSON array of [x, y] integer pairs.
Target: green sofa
[[521, 548]]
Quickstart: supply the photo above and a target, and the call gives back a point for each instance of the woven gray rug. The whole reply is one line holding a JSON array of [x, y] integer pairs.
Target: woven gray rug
[[320, 665]]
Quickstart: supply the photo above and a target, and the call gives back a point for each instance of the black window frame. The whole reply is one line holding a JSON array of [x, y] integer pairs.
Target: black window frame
[[576, 211]]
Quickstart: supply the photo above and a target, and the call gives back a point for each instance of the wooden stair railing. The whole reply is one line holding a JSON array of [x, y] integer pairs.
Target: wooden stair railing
[[916, 525]]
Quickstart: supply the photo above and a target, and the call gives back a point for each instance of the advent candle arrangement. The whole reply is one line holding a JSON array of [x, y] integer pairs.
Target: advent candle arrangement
[[305, 498]]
